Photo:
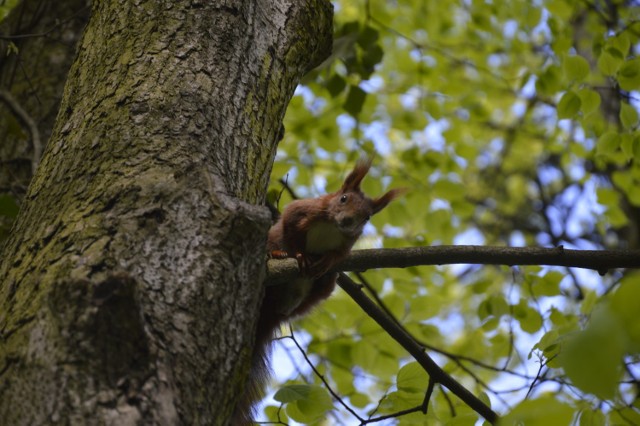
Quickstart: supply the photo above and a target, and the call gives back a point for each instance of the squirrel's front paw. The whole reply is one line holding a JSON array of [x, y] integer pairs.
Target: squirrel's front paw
[[278, 254]]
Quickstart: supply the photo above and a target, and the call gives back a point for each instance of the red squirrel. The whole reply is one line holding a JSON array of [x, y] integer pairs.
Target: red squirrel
[[319, 232]]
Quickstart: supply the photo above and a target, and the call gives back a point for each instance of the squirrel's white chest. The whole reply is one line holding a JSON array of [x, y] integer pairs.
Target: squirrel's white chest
[[323, 237]]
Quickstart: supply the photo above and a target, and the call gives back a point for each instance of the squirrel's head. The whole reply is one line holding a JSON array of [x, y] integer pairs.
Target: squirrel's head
[[351, 207]]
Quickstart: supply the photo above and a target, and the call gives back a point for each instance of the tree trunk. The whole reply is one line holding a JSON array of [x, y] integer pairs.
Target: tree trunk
[[131, 281]]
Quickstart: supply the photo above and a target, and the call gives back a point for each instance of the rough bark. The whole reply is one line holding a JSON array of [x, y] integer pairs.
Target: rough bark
[[130, 285]]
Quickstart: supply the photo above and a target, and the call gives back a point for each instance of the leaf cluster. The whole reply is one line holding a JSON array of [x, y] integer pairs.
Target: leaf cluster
[[512, 123]]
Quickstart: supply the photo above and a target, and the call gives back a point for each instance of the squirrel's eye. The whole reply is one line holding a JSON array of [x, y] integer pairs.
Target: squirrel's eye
[[367, 218], [343, 199]]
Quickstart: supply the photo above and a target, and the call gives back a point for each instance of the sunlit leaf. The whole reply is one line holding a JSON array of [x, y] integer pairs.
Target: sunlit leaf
[[576, 68], [628, 115], [543, 411], [608, 143], [609, 61], [569, 105], [590, 100], [604, 342], [621, 43], [625, 303], [549, 81], [412, 378], [360, 400], [529, 319], [312, 407], [625, 415], [292, 393], [629, 75], [592, 418]]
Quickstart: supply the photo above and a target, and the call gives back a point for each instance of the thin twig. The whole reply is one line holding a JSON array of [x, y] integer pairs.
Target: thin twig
[[324, 381], [26, 119]]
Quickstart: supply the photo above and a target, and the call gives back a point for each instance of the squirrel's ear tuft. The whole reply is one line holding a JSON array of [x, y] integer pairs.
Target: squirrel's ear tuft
[[352, 182], [381, 202]]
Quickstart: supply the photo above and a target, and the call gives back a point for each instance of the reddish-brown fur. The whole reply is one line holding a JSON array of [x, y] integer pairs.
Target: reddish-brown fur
[[339, 218]]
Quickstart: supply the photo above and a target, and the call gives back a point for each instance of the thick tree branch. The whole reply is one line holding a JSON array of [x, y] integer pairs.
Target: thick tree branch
[[361, 260]]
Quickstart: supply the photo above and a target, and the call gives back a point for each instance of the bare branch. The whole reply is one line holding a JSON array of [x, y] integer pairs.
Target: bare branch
[[362, 260], [598, 260]]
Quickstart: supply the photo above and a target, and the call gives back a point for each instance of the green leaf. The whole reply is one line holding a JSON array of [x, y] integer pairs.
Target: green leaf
[[549, 82], [6, 7], [627, 145], [532, 16], [292, 393], [634, 195], [275, 414], [529, 319], [367, 36], [603, 341], [608, 143], [372, 56], [543, 411], [448, 190], [609, 62], [590, 100], [396, 401], [355, 100], [576, 68], [339, 352], [359, 400], [412, 378], [375, 354], [335, 85], [548, 284], [628, 115], [623, 181], [626, 305], [625, 416], [616, 217], [560, 8], [569, 105], [629, 75], [548, 344], [620, 43], [608, 196], [592, 418], [588, 302], [311, 408]]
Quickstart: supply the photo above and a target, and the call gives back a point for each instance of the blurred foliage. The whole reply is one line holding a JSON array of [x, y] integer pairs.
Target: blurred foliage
[[512, 123], [6, 6], [8, 212]]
